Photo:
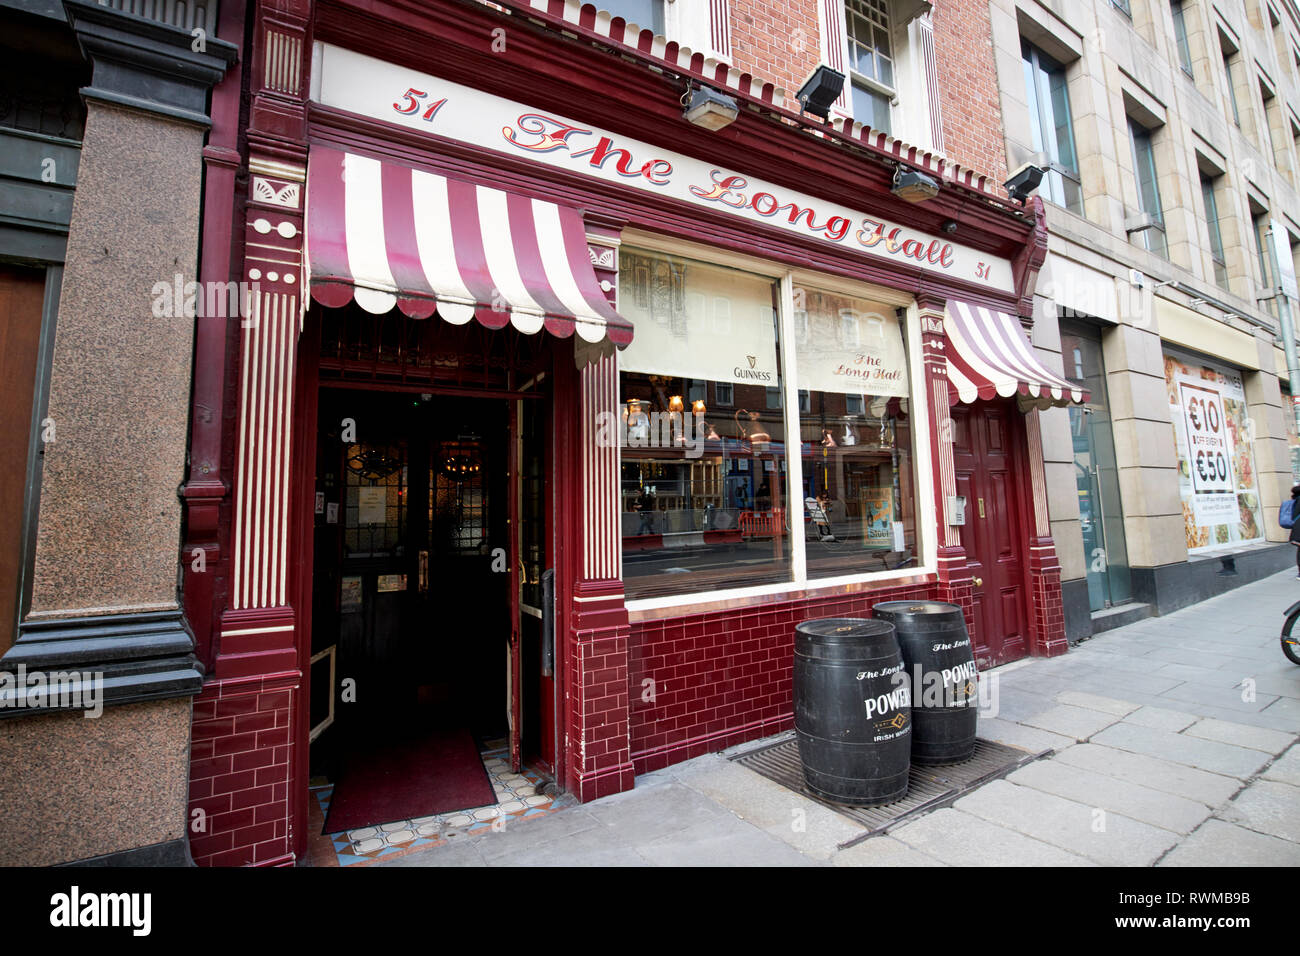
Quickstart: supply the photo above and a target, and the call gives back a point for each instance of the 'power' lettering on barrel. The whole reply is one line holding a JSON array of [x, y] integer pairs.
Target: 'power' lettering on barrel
[[891, 701]]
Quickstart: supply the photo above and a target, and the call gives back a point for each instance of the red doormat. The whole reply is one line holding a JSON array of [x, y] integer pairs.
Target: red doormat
[[436, 772]]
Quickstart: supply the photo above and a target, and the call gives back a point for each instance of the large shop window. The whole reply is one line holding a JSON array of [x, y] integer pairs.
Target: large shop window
[[703, 494], [706, 499], [1217, 479], [856, 436]]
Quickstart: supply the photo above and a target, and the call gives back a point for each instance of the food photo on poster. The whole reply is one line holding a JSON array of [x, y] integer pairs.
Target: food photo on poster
[[1216, 469]]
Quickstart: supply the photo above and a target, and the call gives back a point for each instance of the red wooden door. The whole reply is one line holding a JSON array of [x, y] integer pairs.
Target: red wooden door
[[994, 536]]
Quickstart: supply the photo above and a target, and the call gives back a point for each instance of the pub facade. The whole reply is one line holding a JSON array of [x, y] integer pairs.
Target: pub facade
[[553, 411]]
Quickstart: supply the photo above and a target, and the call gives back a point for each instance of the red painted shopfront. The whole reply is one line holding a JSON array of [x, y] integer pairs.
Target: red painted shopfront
[[716, 382]]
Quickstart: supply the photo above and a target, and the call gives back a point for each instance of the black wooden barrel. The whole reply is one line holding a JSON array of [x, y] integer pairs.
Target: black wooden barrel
[[852, 710], [941, 664]]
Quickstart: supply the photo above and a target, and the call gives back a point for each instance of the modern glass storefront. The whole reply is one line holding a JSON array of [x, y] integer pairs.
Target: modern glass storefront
[[1101, 515]]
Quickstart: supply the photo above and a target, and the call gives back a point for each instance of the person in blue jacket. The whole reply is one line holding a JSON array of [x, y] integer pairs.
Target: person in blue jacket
[[1295, 527]]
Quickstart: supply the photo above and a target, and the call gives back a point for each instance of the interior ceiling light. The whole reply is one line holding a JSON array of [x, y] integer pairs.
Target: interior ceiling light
[[820, 90], [709, 109]]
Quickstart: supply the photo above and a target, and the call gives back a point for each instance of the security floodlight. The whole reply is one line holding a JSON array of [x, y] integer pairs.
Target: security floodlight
[[820, 90], [1024, 181]]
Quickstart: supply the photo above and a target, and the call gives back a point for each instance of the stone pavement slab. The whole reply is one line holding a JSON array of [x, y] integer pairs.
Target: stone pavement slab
[[1134, 800], [1107, 705], [1018, 735], [1161, 718], [1077, 723], [1227, 698], [1109, 838], [725, 841], [1211, 789], [1192, 751], [963, 839], [883, 851], [1219, 844], [640, 816], [1241, 735], [1285, 768], [1267, 806]]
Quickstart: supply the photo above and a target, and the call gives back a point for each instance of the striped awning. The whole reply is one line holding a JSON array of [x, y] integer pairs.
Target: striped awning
[[387, 235], [989, 355]]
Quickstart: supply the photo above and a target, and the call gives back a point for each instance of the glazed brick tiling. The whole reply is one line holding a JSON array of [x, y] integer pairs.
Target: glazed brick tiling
[[239, 771], [702, 683]]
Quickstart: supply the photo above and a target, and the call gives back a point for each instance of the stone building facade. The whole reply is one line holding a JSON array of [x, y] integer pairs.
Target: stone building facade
[[1172, 141]]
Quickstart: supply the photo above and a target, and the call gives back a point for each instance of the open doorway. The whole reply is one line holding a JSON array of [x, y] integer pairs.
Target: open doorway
[[426, 681]]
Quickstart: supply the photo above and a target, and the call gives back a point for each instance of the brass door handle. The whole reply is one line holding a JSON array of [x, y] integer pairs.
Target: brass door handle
[[979, 582]]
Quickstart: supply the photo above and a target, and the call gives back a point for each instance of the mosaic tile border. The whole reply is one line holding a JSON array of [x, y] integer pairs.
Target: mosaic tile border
[[517, 799]]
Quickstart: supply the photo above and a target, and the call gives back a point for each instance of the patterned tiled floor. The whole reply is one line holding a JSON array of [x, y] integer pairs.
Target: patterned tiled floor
[[517, 799]]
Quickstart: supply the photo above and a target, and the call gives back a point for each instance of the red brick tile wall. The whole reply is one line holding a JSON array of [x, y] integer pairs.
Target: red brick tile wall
[[1048, 611], [780, 41], [775, 41], [239, 773], [706, 682], [968, 86]]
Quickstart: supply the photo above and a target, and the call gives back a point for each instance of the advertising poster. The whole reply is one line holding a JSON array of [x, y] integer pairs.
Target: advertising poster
[[877, 516], [1217, 481]]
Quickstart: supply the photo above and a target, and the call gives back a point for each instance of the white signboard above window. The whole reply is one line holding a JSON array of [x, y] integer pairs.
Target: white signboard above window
[[394, 94]]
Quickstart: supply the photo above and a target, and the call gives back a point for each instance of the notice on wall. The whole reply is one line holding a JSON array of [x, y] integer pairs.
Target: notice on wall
[[1214, 499], [1213, 435], [372, 505], [350, 595]]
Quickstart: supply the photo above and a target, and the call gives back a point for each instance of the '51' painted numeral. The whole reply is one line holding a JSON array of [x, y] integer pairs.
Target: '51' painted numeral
[[413, 98]]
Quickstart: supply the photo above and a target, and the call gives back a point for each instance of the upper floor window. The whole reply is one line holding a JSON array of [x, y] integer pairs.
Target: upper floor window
[[1216, 233], [1268, 281], [871, 62], [1123, 6], [1180, 36], [1144, 167], [1229, 72], [650, 14], [1049, 117], [1259, 222]]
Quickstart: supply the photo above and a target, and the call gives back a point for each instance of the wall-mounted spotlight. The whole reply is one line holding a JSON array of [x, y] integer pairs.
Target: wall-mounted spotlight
[[820, 90], [910, 185], [708, 108], [949, 226], [1024, 181]]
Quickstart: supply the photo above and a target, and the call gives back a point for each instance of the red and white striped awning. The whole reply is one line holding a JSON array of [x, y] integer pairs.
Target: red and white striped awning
[[388, 235], [989, 355]]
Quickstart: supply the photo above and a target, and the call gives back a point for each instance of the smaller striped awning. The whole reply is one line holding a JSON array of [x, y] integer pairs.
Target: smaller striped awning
[[989, 355], [387, 235]]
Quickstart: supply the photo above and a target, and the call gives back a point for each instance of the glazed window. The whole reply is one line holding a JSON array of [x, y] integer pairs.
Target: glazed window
[[871, 62], [1216, 233], [649, 14], [856, 437], [1144, 166], [1180, 35], [703, 489], [1053, 130], [1228, 52]]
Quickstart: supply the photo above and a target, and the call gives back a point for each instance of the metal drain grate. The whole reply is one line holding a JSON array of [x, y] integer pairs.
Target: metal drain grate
[[928, 788]]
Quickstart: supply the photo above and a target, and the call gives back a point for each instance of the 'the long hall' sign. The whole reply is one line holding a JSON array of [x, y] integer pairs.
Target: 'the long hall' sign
[[384, 91]]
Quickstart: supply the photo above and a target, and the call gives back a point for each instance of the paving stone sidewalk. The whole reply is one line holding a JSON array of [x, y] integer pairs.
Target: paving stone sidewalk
[[1174, 739]]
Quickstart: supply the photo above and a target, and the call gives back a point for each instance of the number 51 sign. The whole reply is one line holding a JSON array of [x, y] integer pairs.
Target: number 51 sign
[[1209, 454]]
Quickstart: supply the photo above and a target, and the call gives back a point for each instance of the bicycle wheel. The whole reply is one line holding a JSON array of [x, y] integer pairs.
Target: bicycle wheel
[[1290, 641]]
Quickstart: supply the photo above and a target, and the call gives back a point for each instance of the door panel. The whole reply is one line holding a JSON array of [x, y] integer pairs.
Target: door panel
[[993, 536]]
